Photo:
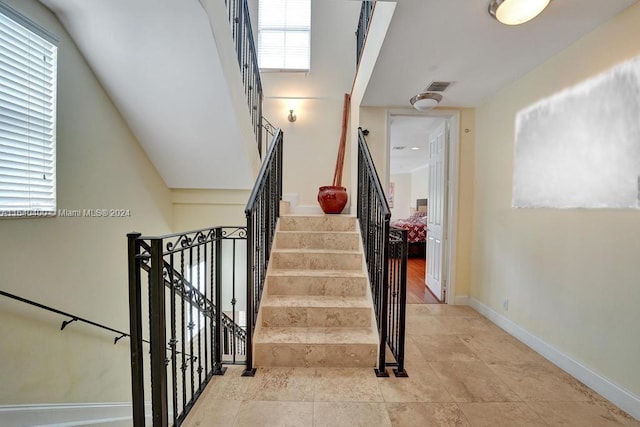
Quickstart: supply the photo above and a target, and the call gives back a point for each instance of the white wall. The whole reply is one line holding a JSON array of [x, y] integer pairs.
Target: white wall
[[419, 184], [402, 202], [311, 143], [77, 265], [571, 276]]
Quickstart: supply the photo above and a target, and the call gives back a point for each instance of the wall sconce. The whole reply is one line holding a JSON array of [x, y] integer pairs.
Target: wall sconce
[[291, 117]]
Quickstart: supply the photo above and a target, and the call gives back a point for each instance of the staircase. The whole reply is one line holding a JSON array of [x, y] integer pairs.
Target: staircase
[[316, 310]]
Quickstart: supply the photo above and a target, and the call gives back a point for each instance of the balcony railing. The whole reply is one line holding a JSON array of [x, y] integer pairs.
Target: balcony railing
[[366, 12], [238, 14]]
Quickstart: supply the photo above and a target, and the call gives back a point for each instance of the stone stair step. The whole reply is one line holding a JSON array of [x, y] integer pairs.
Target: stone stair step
[[317, 282], [315, 311], [320, 347], [317, 223], [342, 240], [315, 259]]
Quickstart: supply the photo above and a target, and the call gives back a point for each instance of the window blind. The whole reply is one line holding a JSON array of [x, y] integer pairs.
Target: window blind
[[284, 34], [28, 71]]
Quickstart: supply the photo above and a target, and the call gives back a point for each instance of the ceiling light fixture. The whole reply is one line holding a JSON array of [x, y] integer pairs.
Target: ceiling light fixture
[[425, 101], [516, 12], [292, 116], [415, 148]]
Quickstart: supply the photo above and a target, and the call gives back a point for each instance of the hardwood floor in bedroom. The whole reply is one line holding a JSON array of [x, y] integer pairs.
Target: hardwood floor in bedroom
[[417, 292]]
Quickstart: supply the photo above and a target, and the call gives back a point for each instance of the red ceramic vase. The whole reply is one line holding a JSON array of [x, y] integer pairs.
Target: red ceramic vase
[[332, 199]]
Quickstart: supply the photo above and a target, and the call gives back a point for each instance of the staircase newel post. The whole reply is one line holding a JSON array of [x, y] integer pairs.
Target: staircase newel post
[[384, 299], [249, 370], [217, 368], [135, 330], [158, 337]]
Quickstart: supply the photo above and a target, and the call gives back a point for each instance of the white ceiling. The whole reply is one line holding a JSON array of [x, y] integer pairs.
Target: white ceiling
[[158, 61], [458, 41], [412, 133]]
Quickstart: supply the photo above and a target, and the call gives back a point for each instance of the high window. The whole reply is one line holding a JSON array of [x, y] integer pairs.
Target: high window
[[28, 63], [284, 35]]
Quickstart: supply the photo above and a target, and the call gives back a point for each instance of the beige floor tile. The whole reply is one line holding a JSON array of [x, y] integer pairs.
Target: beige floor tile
[[542, 381], [508, 414], [422, 385], [580, 414], [213, 413], [443, 348], [230, 386], [451, 310], [350, 414], [473, 382], [274, 414], [347, 384], [294, 384], [426, 414], [496, 347]]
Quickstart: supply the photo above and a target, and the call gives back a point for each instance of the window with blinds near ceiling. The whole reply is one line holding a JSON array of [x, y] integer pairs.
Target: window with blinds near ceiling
[[28, 62], [284, 34]]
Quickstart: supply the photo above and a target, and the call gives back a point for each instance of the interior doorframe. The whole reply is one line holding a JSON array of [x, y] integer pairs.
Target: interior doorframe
[[453, 118]]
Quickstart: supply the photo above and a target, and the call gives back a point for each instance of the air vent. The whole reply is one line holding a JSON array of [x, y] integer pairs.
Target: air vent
[[399, 147], [437, 86]]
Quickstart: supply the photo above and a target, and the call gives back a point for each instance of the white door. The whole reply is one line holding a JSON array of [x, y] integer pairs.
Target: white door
[[437, 212]]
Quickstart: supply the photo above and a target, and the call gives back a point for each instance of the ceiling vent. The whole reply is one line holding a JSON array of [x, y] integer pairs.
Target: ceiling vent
[[437, 86]]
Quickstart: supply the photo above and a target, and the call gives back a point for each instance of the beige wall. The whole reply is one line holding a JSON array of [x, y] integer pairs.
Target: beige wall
[[77, 265], [195, 209], [572, 277], [374, 119], [311, 142], [402, 195], [419, 184]]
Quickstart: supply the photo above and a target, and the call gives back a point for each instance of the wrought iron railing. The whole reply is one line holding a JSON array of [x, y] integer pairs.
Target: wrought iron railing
[[397, 297], [263, 210], [366, 12], [181, 284], [374, 215], [238, 14]]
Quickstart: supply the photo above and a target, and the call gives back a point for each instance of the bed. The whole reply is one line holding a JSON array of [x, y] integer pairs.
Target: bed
[[416, 226]]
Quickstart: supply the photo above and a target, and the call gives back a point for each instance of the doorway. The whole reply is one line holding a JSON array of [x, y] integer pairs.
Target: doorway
[[422, 163]]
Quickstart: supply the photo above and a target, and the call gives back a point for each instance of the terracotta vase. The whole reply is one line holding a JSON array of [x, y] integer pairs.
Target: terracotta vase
[[332, 199]]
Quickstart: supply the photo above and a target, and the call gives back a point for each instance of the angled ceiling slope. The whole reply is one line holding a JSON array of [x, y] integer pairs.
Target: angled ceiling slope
[[159, 63]]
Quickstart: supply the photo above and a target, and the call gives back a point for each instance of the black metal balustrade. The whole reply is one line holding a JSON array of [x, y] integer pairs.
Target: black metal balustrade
[[388, 291], [181, 283], [242, 32], [263, 210], [366, 12]]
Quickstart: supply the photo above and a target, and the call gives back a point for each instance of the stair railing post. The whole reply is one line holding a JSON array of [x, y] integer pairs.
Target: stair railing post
[[249, 370], [217, 368], [135, 330], [157, 334]]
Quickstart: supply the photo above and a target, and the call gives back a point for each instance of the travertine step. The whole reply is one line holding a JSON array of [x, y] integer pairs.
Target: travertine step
[[321, 347], [340, 240], [315, 259], [316, 308], [317, 223], [315, 311], [318, 282]]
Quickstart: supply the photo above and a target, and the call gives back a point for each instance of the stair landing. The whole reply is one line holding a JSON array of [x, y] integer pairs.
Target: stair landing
[[316, 309]]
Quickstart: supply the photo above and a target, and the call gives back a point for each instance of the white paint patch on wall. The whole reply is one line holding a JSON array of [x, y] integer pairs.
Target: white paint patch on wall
[[581, 147]]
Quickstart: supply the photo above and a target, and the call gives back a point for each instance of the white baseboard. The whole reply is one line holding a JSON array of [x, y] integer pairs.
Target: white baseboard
[[461, 300], [622, 398], [67, 414]]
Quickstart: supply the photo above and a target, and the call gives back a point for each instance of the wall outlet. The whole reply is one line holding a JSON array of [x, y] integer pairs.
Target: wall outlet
[[505, 304]]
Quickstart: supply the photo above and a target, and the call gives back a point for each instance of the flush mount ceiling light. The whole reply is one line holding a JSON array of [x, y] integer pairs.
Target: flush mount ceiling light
[[515, 12], [425, 101]]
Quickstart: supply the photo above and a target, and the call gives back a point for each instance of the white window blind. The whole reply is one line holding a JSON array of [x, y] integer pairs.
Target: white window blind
[[28, 62], [284, 34]]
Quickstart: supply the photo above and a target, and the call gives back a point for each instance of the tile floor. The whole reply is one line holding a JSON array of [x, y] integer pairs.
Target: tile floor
[[463, 371]]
